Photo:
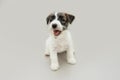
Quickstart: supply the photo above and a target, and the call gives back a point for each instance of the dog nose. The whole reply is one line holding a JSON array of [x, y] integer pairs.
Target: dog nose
[[54, 26]]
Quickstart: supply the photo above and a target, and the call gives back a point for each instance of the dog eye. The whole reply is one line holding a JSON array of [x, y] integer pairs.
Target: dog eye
[[53, 17], [60, 17], [50, 20], [63, 20]]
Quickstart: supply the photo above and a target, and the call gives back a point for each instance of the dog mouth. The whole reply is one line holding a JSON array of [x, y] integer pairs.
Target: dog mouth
[[57, 32]]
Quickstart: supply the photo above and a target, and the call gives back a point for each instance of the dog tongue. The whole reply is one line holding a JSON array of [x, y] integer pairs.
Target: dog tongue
[[56, 32]]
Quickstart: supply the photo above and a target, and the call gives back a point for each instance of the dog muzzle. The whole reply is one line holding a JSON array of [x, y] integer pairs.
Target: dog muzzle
[[57, 32]]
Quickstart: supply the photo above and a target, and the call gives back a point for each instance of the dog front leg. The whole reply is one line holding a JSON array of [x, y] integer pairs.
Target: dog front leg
[[70, 55], [54, 60]]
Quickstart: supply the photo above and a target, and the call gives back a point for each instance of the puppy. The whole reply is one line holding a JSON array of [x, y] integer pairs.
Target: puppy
[[60, 38]]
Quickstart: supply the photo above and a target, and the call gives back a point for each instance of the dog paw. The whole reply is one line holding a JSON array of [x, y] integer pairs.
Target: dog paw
[[54, 67], [72, 61]]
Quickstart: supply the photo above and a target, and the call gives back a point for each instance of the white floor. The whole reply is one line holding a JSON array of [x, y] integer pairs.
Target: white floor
[[95, 31]]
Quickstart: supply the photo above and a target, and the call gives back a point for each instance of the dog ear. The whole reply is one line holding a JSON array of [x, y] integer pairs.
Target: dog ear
[[70, 18], [48, 19]]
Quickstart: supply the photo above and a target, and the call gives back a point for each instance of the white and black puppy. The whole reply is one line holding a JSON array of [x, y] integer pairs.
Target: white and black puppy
[[60, 38]]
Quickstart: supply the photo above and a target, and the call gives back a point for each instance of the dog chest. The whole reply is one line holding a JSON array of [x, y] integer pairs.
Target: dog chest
[[61, 44]]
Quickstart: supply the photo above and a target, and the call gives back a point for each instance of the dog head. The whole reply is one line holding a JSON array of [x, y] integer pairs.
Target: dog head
[[59, 22]]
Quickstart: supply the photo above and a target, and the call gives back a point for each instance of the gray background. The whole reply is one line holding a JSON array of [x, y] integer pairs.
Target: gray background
[[95, 31]]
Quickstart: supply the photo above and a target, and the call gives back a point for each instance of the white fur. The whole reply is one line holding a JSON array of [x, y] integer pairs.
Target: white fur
[[56, 44]]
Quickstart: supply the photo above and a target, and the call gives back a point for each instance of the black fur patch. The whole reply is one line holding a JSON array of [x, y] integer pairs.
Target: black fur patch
[[65, 19], [50, 18]]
